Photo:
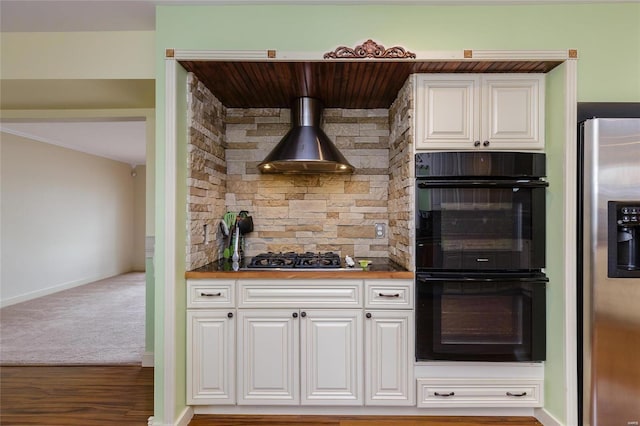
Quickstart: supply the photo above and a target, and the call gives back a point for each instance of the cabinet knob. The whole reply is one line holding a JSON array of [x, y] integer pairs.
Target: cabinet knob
[[295, 315], [303, 314], [368, 315], [230, 315], [485, 143], [476, 143]]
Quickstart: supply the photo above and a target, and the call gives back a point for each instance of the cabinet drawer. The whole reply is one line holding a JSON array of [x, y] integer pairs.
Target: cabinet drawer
[[388, 294], [480, 393], [210, 293], [293, 293]]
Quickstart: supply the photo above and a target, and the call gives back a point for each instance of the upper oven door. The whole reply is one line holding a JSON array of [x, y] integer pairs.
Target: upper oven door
[[480, 225]]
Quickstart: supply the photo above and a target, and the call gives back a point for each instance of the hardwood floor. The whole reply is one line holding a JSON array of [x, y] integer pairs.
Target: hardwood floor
[[88, 396], [123, 396]]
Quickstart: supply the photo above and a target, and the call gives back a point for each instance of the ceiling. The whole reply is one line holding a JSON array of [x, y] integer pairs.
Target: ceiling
[[77, 15], [119, 140]]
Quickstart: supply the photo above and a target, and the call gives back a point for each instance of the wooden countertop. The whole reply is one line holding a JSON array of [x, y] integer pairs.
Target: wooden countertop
[[379, 269], [291, 274]]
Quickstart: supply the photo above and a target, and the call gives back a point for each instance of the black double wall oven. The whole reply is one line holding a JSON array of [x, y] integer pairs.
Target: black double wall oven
[[480, 251]]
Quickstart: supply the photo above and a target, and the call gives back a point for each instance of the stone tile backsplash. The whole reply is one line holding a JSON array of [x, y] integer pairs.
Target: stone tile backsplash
[[299, 212], [311, 212]]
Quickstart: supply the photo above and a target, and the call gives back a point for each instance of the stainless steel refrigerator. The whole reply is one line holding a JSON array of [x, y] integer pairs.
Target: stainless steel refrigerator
[[609, 272]]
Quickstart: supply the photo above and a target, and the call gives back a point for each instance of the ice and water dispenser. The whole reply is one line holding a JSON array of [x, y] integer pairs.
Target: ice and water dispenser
[[624, 239]]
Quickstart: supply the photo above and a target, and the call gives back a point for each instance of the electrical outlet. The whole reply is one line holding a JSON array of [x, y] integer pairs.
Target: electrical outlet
[[379, 230]]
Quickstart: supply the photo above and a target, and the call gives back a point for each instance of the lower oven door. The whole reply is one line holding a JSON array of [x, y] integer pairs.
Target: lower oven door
[[480, 318]]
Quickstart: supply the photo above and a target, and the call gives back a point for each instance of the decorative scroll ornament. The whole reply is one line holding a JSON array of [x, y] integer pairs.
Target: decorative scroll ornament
[[370, 49]]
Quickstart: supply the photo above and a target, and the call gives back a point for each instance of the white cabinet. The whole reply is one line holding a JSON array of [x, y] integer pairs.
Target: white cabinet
[[331, 357], [480, 111], [300, 342], [480, 392], [211, 343], [306, 356], [268, 352], [211, 356], [389, 340]]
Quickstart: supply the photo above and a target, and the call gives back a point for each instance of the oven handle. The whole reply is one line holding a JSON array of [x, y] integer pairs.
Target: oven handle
[[484, 279], [483, 184]]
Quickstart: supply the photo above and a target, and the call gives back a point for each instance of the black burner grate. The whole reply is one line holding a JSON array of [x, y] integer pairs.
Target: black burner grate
[[308, 260]]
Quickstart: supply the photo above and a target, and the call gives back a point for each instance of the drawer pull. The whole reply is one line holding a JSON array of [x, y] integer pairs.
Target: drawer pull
[[444, 394], [210, 294], [517, 394], [388, 295]]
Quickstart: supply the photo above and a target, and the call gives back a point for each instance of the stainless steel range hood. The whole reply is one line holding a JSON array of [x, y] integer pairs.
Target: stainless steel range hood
[[305, 148]]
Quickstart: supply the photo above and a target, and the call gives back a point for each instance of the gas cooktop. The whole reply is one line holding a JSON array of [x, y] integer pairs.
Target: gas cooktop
[[291, 260]]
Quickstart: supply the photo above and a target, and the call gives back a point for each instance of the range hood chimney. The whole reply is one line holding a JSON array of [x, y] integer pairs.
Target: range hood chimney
[[305, 148]]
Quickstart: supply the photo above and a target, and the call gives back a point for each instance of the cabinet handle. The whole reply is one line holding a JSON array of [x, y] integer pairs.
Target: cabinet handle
[[230, 315], [485, 143], [303, 314], [368, 315], [517, 394], [476, 143], [210, 294], [444, 394], [389, 295], [295, 315]]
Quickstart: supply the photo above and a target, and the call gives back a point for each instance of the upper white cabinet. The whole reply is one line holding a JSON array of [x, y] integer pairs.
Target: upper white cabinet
[[480, 111]]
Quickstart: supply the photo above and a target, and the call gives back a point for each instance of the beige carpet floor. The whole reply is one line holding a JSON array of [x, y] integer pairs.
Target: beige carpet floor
[[97, 323]]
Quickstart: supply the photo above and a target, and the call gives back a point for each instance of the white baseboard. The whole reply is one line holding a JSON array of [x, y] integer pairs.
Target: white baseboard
[[545, 418], [148, 359], [182, 420], [185, 417], [50, 290]]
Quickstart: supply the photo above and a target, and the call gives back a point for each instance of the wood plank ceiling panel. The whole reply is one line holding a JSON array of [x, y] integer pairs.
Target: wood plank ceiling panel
[[339, 84]]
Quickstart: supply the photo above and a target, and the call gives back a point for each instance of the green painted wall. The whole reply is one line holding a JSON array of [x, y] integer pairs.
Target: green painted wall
[[607, 37], [555, 366]]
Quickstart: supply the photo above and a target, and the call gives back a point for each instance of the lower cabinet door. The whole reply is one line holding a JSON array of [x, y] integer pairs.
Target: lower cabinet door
[[211, 357], [331, 357], [268, 353], [389, 360]]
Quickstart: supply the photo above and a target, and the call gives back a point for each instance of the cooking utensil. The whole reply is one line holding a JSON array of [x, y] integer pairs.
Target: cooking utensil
[[229, 219], [245, 223], [236, 256], [224, 228]]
